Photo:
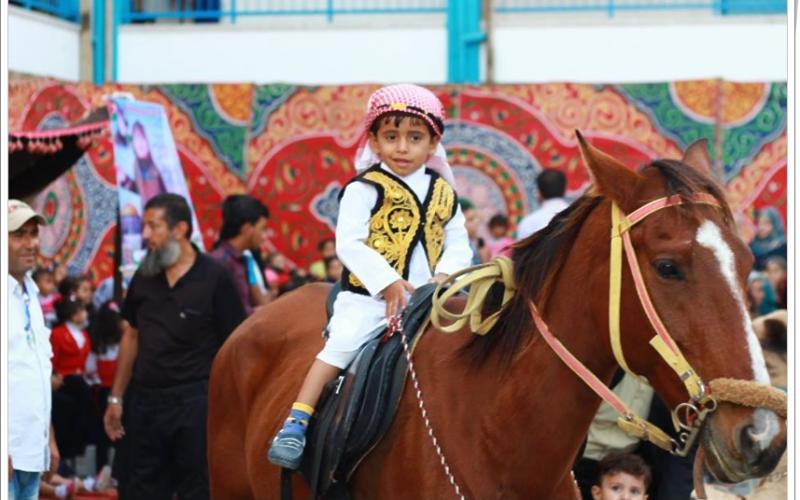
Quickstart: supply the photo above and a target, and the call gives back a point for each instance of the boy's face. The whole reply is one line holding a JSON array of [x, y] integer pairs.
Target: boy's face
[[404, 148], [620, 486]]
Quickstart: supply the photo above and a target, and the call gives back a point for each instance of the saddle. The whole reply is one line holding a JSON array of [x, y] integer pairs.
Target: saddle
[[356, 409]]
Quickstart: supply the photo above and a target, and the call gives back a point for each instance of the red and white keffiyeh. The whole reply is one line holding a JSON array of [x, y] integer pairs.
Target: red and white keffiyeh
[[414, 100]]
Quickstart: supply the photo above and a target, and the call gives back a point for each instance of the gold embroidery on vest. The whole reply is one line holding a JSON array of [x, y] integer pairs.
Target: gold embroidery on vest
[[440, 211], [394, 225]]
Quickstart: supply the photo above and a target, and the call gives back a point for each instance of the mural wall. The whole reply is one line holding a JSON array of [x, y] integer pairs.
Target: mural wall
[[293, 147]]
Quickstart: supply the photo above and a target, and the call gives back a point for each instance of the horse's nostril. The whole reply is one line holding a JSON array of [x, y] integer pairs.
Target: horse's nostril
[[748, 445]]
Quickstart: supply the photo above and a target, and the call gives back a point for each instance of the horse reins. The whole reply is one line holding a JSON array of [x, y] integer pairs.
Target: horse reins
[[687, 417]]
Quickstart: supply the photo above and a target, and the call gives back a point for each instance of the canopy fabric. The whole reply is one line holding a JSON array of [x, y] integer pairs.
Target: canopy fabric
[[37, 158]]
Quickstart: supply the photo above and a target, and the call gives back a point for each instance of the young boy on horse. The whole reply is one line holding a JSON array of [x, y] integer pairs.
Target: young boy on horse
[[399, 227]]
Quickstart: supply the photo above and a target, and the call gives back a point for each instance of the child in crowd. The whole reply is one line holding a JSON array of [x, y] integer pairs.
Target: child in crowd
[[105, 336], [47, 294], [472, 222], [388, 240], [326, 249], [499, 240], [71, 395], [276, 272], [79, 286], [622, 476], [333, 269], [775, 269]]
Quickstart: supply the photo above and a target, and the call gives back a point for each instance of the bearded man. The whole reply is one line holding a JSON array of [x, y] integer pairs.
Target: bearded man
[[180, 307]]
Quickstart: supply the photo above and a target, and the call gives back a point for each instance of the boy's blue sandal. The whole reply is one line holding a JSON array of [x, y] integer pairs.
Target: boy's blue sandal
[[287, 449]]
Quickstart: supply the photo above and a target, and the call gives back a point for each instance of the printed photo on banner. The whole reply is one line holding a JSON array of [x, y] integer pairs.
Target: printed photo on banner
[[147, 164]]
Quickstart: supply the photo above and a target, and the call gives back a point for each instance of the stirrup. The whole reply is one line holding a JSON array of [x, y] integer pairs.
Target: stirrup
[[287, 450]]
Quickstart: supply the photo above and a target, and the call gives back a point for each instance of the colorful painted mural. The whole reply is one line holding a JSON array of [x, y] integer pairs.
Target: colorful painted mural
[[293, 147]]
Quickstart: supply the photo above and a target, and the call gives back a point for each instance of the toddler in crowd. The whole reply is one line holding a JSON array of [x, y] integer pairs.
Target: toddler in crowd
[[47, 294], [499, 242], [622, 476]]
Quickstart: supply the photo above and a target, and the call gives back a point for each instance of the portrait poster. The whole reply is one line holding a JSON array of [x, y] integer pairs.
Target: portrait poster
[[147, 164]]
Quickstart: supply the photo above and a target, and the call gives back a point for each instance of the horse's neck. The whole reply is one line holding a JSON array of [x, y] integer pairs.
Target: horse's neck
[[555, 416]]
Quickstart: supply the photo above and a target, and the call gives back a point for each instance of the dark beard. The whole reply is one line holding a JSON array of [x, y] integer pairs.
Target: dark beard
[[158, 260]]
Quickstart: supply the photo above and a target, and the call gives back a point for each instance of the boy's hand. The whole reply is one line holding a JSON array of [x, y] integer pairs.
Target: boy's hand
[[438, 278], [395, 296]]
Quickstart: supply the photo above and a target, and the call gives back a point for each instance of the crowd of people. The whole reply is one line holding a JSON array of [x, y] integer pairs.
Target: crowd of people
[[90, 354]]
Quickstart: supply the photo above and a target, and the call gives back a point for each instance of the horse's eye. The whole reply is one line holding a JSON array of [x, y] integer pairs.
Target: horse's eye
[[667, 269]]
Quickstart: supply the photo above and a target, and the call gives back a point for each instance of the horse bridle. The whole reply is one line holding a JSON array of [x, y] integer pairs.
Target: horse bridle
[[687, 417]]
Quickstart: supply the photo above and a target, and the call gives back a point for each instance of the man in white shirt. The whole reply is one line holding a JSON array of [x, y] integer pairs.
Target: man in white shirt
[[31, 444], [552, 185]]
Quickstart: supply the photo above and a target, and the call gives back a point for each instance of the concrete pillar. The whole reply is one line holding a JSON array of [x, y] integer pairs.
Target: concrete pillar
[[86, 52]]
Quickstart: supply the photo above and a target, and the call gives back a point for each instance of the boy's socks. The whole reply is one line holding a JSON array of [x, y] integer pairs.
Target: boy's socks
[[299, 416]]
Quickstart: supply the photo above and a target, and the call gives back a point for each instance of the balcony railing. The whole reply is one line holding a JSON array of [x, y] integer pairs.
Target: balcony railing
[[214, 10], [137, 11], [721, 7], [68, 10]]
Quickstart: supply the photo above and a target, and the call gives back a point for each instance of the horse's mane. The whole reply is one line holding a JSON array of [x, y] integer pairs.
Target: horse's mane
[[539, 258]]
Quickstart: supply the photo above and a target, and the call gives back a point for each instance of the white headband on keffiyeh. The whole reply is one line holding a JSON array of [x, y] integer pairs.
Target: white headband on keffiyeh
[[414, 100]]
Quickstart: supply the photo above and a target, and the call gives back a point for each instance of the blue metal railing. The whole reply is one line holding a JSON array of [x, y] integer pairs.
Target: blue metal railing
[[213, 10], [723, 7], [65, 9], [137, 11]]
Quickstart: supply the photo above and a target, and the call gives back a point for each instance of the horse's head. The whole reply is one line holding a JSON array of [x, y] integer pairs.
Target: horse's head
[[694, 267]]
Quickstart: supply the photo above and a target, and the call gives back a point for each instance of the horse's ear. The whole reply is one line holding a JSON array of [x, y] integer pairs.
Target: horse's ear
[[609, 176], [696, 156]]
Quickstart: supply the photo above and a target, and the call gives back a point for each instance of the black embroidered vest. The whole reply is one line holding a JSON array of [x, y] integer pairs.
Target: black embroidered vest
[[399, 221]]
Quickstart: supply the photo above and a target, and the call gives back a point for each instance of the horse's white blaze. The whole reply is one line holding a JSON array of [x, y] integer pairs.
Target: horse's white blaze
[[709, 236]]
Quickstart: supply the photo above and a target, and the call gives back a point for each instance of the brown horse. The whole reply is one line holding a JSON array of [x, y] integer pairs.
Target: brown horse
[[510, 416]]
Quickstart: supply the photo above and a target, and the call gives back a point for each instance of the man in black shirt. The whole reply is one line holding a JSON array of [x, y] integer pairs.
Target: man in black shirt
[[180, 308]]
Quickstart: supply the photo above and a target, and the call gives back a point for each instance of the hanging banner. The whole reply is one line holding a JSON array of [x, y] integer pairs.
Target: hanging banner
[[147, 165]]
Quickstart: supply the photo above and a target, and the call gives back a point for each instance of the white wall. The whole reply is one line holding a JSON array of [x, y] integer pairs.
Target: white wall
[[161, 54], [742, 51], [43, 45], [526, 49]]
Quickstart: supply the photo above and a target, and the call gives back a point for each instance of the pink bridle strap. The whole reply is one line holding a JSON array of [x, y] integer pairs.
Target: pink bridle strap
[[627, 421], [669, 201], [662, 342]]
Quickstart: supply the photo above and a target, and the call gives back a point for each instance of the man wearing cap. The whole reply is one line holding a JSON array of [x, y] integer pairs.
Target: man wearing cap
[[31, 444]]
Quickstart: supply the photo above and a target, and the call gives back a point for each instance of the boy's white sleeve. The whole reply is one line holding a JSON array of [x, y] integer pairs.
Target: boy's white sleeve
[[352, 230], [457, 253]]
